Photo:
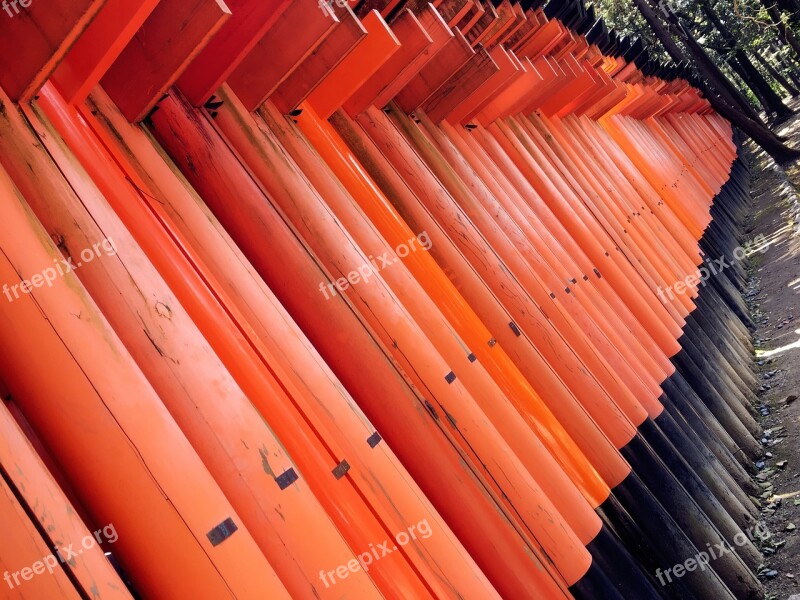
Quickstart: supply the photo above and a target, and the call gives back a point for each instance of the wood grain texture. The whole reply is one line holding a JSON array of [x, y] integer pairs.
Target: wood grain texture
[[250, 20], [160, 52], [35, 38]]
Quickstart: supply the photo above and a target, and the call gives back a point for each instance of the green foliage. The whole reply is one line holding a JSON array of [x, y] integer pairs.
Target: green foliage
[[747, 20]]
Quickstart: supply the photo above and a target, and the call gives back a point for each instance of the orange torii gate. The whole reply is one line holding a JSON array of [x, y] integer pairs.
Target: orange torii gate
[[393, 309]]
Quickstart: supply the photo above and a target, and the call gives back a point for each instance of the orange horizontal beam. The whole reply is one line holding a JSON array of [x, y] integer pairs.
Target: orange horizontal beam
[[508, 65], [478, 69], [35, 38], [263, 69], [369, 55], [99, 46], [309, 74], [438, 31], [171, 37], [413, 40], [455, 53], [249, 22]]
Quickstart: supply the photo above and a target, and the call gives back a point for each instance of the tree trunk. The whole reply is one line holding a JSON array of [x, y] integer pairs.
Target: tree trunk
[[739, 71], [789, 67], [709, 69], [775, 74], [677, 55], [784, 32], [756, 129], [751, 76]]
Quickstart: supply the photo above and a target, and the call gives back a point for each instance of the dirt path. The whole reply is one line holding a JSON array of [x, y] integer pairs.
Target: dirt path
[[773, 296]]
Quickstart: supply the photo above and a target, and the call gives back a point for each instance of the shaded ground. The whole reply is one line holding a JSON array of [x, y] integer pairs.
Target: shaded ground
[[773, 291]]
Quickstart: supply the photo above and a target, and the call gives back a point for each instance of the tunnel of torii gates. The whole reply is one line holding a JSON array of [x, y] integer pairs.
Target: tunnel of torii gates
[[392, 299]]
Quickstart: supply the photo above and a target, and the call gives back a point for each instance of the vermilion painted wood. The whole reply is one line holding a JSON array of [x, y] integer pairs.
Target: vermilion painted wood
[[520, 21], [371, 53], [250, 362], [544, 36], [509, 67], [263, 69], [552, 389], [562, 38], [598, 143], [21, 546], [609, 88], [233, 180], [437, 352], [663, 264], [34, 39], [46, 456], [207, 146], [453, 11], [597, 85], [524, 32], [662, 173], [99, 46], [692, 143], [556, 75], [549, 266], [721, 517], [440, 33], [558, 489], [171, 37], [665, 181], [578, 81], [382, 480], [573, 45], [249, 23], [57, 517], [380, 212], [472, 17], [688, 155], [413, 41], [507, 21], [649, 274], [362, 186], [626, 72], [605, 87], [634, 93], [544, 221], [558, 346], [388, 7], [479, 397], [579, 334], [304, 79], [602, 106], [524, 82], [253, 379], [483, 25], [453, 55], [553, 191], [113, 407], [461, 85], [232, 439]]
